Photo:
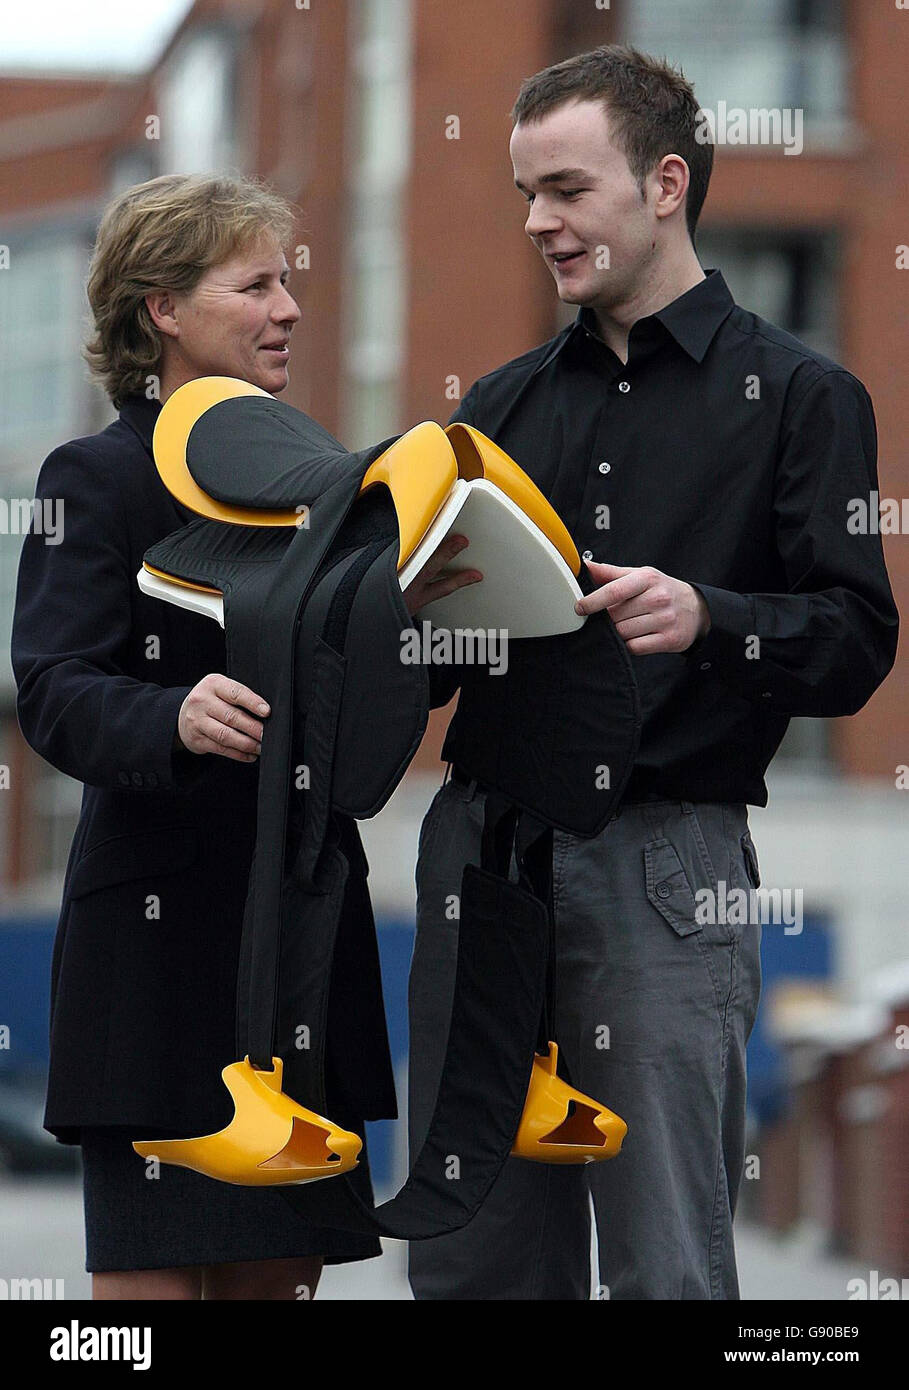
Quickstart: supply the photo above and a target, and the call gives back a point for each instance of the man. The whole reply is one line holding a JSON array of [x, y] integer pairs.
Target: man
[[702, 460]]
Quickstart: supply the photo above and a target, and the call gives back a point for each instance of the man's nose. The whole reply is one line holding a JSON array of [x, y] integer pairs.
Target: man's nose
[[541, 219]]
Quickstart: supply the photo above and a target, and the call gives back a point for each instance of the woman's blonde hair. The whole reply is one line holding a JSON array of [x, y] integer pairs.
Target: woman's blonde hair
[[164, 235]]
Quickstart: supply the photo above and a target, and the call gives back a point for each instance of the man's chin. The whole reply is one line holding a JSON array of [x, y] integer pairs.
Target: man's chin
[[576, 294]]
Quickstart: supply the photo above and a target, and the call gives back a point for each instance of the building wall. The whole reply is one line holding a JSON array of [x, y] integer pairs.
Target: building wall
[[475, 290]]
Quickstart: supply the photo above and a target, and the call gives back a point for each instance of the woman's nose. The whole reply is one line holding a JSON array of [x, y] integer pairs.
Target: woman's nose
[[287, 309]]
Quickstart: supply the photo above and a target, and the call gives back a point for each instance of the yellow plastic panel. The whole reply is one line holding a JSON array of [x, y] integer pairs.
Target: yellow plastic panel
[[179, 414], [418, 470], [480, 457]]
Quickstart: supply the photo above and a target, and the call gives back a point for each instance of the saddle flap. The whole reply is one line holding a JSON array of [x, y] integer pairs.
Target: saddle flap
[[558, 732]]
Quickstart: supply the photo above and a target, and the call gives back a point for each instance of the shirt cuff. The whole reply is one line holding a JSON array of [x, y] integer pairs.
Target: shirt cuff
[[732, 622]]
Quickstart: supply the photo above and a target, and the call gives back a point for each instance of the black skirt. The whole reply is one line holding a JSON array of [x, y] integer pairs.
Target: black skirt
[[184, 1218]]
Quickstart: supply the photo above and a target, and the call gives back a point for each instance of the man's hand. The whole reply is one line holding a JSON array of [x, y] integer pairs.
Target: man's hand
[[652, 611], [426, 587], [213, 719]]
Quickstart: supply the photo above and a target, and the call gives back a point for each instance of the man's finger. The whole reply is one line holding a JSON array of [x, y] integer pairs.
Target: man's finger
[[642, 626], [616, 591], [649, 645], [604, 572]]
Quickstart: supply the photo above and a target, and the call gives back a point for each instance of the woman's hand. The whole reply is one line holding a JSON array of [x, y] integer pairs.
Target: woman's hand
[[427, 587], [217, 717]]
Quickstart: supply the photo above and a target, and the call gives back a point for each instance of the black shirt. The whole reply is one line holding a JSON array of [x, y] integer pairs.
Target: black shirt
[[723, 453]]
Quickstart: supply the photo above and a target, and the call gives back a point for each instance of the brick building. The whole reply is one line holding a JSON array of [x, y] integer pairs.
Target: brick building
[[387, 124]]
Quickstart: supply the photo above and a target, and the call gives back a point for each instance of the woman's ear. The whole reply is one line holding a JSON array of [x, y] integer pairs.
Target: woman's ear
[[161, 307]]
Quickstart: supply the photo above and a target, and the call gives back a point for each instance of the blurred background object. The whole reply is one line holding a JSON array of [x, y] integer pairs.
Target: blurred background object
[[386, 122]]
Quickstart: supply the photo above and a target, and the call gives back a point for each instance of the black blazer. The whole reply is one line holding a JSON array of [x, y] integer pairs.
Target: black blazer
[[143, 991]]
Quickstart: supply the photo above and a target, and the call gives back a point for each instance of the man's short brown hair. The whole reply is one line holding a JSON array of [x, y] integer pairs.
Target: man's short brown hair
[[652, 107]]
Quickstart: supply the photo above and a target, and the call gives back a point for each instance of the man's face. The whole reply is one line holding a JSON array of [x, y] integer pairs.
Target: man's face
[[588, 217], [238, 320]]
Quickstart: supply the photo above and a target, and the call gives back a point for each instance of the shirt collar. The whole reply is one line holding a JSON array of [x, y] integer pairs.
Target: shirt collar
[[141, 415], [693, 319]]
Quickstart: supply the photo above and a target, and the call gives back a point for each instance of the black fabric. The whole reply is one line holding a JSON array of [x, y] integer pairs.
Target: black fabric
[[498, 1001], [186, 1218], [724, 452], [254, 451], [316, 617], [553, 734]]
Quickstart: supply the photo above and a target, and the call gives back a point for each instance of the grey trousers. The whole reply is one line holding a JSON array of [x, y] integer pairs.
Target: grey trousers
[[653, 1011]]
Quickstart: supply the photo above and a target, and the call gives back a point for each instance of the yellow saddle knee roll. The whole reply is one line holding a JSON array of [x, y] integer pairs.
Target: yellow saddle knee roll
[[562, 1125], [270, 1140]]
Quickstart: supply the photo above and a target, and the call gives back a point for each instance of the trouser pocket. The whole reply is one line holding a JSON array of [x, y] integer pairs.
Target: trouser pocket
[[668, 888]]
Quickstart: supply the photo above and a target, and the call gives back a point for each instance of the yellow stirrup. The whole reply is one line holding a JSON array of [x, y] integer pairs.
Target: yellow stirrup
[[562, 1125], [270, 1140]]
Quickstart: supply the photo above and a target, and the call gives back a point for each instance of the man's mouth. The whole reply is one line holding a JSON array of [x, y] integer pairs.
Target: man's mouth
[[279, 349], [564, 258]]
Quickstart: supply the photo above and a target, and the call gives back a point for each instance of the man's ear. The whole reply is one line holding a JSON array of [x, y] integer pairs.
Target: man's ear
[[161, 307], [673, 179]]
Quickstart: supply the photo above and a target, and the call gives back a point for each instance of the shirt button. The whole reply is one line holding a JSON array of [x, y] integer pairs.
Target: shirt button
[[664, 890], [705, 665], [137, 779], [624, 387], [605, 467], [588, 555], [151, 779], [123, 779]]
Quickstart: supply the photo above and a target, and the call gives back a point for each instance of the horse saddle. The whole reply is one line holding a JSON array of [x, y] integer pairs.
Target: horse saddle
[[297, 548]]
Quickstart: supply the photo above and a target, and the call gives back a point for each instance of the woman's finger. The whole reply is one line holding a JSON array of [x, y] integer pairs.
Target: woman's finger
[[223, 736]]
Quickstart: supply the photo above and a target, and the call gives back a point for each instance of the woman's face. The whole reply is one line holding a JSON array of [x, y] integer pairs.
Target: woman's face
[[236, 322]]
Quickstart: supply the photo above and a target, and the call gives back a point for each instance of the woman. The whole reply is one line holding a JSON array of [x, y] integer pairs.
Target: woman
[[129, 696]]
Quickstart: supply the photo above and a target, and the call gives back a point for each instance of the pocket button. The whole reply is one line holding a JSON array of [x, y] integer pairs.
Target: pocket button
[[664, 890]]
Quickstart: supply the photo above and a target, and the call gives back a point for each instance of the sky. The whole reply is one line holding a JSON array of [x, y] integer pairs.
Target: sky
[[86, 35]]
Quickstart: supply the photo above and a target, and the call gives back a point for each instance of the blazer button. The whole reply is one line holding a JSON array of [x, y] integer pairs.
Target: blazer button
[[123, 779], [151, 779], [137, 779]]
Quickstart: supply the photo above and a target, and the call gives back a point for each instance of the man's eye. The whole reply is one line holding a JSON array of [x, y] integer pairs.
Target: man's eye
[[571, 192], [256, 286]]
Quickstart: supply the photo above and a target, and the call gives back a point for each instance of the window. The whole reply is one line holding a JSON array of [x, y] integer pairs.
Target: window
[[788, 277], [780, 53], [44, 390], [374, 311], [41, 325], [195, 102]]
